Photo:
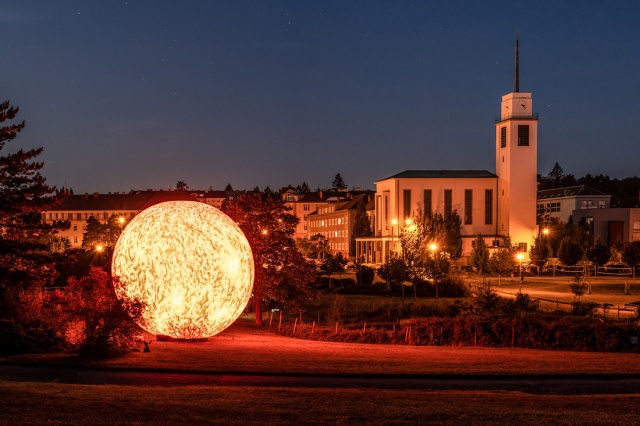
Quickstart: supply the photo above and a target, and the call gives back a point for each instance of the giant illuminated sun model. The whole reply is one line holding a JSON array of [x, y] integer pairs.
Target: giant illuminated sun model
[[189, 263]]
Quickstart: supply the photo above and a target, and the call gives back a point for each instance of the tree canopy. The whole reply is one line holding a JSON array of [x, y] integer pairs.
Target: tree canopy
[[28, 247], [282, 275]]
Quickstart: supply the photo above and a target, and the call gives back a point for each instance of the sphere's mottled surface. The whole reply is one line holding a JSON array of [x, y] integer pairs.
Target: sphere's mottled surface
[[190, 263]]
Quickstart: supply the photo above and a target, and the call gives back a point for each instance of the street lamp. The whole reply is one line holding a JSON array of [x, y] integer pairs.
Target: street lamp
[[520, 256], [433, 247]]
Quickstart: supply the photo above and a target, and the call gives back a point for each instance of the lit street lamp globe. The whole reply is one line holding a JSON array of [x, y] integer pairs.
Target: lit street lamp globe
[[189, 263]]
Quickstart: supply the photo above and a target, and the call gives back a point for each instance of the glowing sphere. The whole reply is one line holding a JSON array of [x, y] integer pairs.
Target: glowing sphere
[[189, 263]]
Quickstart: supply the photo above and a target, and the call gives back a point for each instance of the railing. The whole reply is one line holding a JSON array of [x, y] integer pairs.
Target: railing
[[532, 116]]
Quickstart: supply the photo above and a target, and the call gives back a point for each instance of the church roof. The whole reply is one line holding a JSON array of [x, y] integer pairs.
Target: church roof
[[570, 191], [435, 174]]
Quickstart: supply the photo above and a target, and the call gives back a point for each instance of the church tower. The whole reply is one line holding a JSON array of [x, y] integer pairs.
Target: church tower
[[517, 165]]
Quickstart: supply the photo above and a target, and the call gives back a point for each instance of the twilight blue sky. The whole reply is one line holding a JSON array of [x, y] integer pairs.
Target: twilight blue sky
[[141, 94]]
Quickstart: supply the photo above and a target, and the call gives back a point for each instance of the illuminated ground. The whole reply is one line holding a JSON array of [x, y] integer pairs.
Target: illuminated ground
[[245, 351]]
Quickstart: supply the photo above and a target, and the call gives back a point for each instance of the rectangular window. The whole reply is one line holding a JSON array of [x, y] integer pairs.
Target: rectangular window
[[503, 137], [427, 203], [554, 207], [406, 202], [523, 135], [75, 227], [522, 247], [602, 204], [488, 206], [305, 207], [447, 203], [468, 206], [75, 240]]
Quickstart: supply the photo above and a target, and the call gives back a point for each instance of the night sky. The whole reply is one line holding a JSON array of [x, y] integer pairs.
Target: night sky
[[135, 95]]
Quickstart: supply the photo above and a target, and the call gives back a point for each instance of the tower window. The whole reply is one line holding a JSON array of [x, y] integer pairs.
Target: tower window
[[523, 135], [447, 203], [468, 205], [503, 137]]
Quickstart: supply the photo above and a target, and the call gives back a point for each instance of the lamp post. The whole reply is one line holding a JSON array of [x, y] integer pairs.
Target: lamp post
[[394, 222], [520, 256], [433, 248]]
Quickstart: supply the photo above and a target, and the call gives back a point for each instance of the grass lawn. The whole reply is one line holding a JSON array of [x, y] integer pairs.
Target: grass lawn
[[57, 404], [246, 348]]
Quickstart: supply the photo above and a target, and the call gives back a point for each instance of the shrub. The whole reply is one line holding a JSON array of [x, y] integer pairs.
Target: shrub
[[365, 275], [108, 323]]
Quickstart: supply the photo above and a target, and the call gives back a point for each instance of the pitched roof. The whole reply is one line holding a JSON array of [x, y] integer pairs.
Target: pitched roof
[[136, 201], [435, 174], [570, 191]]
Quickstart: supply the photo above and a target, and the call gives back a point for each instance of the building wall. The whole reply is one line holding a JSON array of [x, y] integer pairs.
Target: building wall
[[598, 223], [390, 205], [336, 226], [561, 208]]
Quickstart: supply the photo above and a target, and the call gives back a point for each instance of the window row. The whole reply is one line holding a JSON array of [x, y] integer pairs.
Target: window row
[[427, 204]]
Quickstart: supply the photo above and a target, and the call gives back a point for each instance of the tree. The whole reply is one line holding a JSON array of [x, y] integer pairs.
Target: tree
[[394, 270], [304, 187], [282, 275], [333, 265], [502, 262], [321, 244], [27, 260], [480, 255], [445, 232], [437, 267], [540, 252], [631, 255], [338, 183], [570, 251], [181, 185], [361, 225], [599, 254], [108, 324]]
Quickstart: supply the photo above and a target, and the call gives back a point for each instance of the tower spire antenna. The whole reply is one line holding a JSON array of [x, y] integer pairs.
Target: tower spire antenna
[[517, 68]]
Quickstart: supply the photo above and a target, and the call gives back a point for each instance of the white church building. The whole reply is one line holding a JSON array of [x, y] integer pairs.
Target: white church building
[[494, 205]]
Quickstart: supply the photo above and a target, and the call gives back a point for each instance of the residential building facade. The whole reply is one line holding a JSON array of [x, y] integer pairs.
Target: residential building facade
[[557, 205]]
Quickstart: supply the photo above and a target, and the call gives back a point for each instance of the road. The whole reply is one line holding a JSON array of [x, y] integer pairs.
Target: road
[[532, 384]]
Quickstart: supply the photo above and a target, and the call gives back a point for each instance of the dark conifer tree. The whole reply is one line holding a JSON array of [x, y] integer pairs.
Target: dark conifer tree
[[27, 258]]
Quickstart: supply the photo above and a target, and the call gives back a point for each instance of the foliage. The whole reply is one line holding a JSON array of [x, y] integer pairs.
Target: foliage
[[394, 270], [28, 247], [445, 232], [582, 309], [502, 262], [365, 274], [338, 183], [579, 285], [599, 254], [108, 324], [321, 245], [361, 225], [631, 254], [337, 308], [101, 234], [333, 265], [282, 274], [39, 326], [540, 252], [480, 255], [570, 251], [182, 185]]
